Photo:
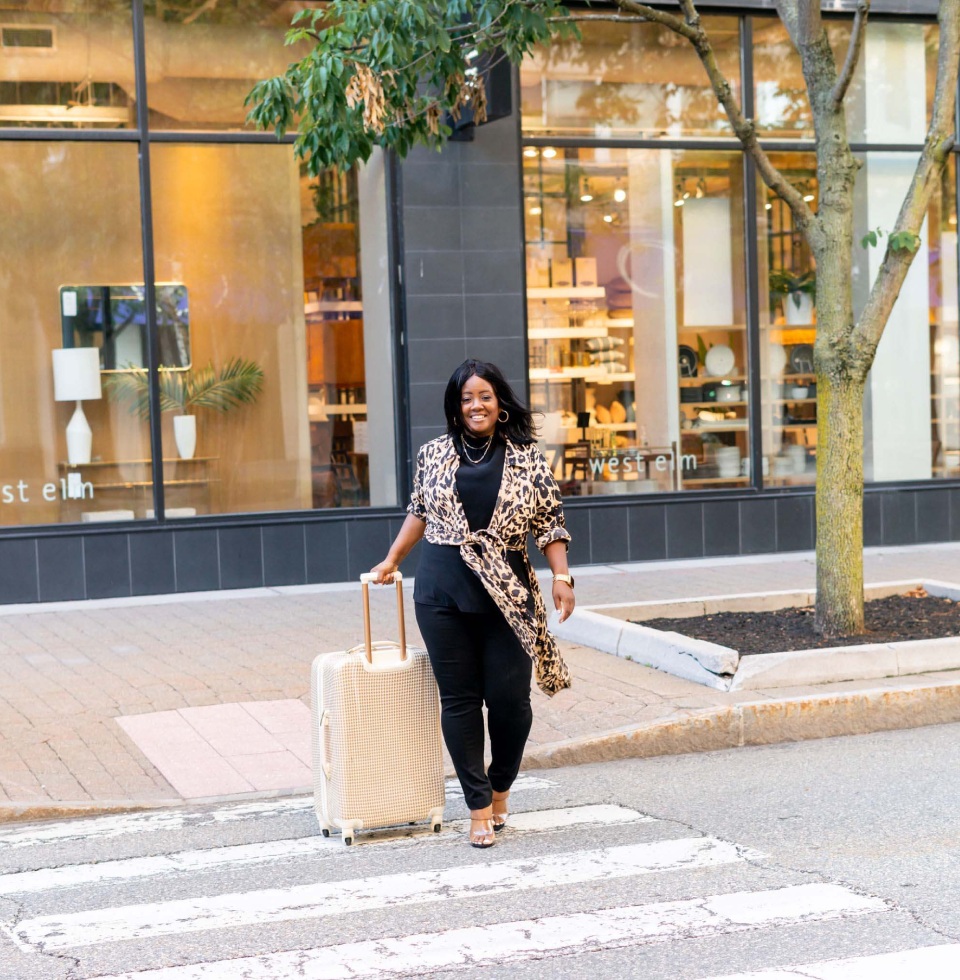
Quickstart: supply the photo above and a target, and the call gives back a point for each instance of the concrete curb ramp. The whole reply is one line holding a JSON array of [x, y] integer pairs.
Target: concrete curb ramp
[[762, 723], [606, 628]]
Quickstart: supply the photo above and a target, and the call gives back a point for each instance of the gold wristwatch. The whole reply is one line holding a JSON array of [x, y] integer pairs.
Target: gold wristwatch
[[568, 579]]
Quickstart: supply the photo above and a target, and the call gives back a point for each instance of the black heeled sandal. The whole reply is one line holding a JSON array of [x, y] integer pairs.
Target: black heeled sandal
[[500, 811]]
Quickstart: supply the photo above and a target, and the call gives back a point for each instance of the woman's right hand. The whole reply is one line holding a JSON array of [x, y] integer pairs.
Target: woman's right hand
[[384, 572]]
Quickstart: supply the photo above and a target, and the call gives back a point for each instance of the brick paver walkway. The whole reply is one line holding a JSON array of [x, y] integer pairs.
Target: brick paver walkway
[[66, 673]]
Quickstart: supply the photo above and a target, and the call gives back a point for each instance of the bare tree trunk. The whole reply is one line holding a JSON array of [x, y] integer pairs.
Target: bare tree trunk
[[839, 503]]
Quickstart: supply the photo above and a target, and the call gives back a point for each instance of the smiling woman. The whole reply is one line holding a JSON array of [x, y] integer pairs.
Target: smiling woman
[[479, 491]]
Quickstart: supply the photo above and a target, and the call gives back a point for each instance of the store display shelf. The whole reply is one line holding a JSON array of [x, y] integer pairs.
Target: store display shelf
[[566, 333], [584, 373], [795, 377], [333, 306], [794, 401], [709, 379], [715, 404], [566, 292], [731, 426], [606, 426], [718, 329], [708, 480]]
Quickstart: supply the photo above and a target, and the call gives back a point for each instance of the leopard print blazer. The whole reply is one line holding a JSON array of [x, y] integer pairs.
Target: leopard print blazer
[[528, 503]]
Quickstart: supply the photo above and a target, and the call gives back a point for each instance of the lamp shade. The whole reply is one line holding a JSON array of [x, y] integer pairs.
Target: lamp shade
[[76, 374]]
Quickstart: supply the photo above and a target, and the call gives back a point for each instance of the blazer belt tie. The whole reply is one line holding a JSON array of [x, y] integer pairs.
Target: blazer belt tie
[[491, 564]]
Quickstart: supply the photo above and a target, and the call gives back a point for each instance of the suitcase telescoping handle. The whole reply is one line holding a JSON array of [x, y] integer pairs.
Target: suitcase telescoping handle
[[365, 581]]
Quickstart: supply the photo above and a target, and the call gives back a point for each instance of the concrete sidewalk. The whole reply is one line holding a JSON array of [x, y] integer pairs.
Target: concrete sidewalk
[[146, 701]]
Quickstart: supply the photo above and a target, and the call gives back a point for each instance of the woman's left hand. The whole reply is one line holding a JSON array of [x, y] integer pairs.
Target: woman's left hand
[[563, 599]]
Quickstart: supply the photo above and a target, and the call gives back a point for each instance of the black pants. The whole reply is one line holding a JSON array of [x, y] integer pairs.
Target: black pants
[[477, 659]]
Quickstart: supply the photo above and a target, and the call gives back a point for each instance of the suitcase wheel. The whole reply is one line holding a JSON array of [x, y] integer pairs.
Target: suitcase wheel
[[347, 840], [437, 827], [325, 832]]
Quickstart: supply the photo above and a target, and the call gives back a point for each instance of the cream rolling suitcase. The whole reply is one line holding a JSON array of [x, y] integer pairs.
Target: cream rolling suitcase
[[377, 758]]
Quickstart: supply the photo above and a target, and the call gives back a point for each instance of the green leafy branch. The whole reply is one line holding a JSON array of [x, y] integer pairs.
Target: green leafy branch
[[898, 241], [238, 382], [389, 72]]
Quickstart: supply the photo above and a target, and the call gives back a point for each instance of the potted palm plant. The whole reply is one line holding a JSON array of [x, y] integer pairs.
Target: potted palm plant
[[238, 382], [799, 291]]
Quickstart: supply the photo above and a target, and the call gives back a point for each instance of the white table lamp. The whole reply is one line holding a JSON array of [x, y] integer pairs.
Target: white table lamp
[[76, 378]]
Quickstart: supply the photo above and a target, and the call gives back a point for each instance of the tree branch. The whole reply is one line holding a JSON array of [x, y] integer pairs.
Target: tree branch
[[744, 129], [939, 141], [853, 52]]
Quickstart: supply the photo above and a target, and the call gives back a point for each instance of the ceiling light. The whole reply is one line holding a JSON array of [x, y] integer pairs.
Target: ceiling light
[[608, 218], [678, 203], [686, 194], [530, 151], [549, 152], [586, 198], [536, 210], [808, 197], [768, 206], [619, 195]]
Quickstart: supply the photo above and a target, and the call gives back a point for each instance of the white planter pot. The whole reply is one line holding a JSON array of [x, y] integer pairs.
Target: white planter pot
[[798, 315], [185, 435]]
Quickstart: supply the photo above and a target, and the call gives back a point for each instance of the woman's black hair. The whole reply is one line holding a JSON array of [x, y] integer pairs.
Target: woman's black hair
[[519, 426]]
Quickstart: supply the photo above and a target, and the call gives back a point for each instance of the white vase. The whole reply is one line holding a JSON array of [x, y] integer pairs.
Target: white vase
[[185, 435], [798, 315]]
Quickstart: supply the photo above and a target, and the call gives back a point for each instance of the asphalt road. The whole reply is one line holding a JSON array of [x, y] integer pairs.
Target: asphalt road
[[684, 868]]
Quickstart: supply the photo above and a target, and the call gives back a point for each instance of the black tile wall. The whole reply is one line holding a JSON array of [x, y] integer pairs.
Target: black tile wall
[[872, 520], [433, 273], [326, 552], [431, 229], [648, 532], [794, 523], [241, 558], [426, 404], [106, 559], [367, 545], [758, 526], [284, 555], [434, 359], [954, 515], [721, 528], [151, 563], [433, 317], [197, 560], [499, 271], [933, 515], [578, 524], [609, 535], [433, 183], [899, 517], [61, 572], [496, 228], [685, 531], [490, 184], [18, 571], [494, 315]]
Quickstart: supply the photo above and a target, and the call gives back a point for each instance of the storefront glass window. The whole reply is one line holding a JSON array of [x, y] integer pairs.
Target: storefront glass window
[[787, 283], [66, 65], [272, 264], [636, 313], [890, 97], [638, 80], [912, 401], [204, 58], [69, 214]]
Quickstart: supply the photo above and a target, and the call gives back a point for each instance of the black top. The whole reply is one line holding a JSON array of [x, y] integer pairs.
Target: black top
[[442, 577]]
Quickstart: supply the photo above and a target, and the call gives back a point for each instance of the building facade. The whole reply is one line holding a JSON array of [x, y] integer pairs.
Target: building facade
[[217, 370]]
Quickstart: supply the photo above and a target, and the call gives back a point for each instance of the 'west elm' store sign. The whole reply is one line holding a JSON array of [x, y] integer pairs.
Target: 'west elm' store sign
[[73, 487]]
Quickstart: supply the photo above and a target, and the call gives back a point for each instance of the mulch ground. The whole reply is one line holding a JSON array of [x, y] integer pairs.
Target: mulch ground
[[914, 616]]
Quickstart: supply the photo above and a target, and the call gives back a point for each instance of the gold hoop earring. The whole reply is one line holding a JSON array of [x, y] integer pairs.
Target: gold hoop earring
[[503, 411]]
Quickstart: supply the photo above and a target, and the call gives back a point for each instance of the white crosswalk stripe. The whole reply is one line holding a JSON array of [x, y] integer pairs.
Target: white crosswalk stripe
[[928, 963], [314, 901], [71, 910], [239, 855], [516, 941], [155, 821]]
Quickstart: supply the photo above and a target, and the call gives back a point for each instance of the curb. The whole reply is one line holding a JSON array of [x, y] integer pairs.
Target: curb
[[761, 723], [716, 729]]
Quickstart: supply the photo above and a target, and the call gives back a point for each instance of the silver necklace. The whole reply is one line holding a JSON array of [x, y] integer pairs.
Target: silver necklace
[[486, 449]]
